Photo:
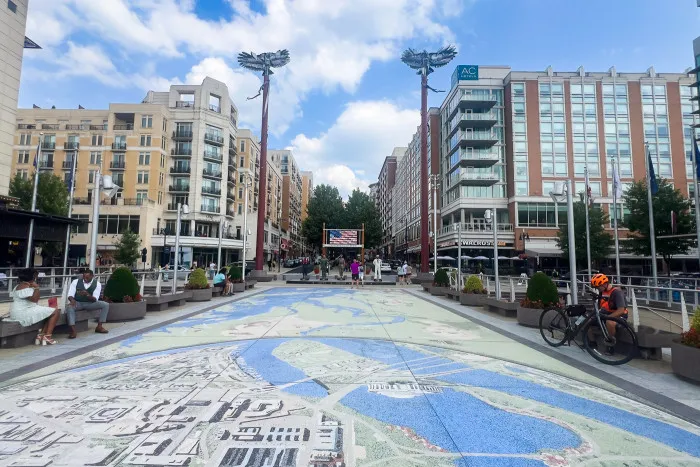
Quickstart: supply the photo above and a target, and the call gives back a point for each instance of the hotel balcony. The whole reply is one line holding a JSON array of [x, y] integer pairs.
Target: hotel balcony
[[123, 127], [476, 158], [68, 165], [477, 235], [477, 101], [182, 135], [181, 152], [213, 156], [71, 146], [215, 139], [117, 165], [179, 188], [119, 147], [211, 174], [478, 178], [180, 170], [46, 165], [48, 145], [473, 120], [474, 139], [211, 191]]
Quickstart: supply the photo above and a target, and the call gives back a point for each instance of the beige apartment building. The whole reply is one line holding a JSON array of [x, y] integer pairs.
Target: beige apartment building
[[175, 147], [248, 169], [307, 191], [291, 198]]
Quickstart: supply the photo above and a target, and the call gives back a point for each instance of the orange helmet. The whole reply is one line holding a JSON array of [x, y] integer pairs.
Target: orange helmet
[[599, 279]]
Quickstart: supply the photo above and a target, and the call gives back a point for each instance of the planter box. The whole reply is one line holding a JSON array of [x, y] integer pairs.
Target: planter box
[[160, 303], [439, 291], [685, 361], [503, 308], [200, 295], [250, 284], [426, 285], [472, 299], [651, 341], [529, 317], [453, 294], [126, 311], [238, 287]]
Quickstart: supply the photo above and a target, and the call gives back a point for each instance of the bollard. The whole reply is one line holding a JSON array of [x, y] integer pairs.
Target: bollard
[[143, 283], [669, 300], [635, 312], [648, 292], [488, 287], [684, 315], [53, 281], [568, 294], [512, 290], [158, 285], [9, 284]]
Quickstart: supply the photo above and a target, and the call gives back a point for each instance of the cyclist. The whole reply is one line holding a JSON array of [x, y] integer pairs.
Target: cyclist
[[612, 303]]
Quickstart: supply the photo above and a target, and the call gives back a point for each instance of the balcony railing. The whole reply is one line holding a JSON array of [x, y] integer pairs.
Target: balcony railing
[[67, 165], [184, 104], [71, 145], [233, 150], [213, 156], [211, 173], [208, 208], [98, 127], [475, 228], [82, 201], [179, 188], [50, 126], [180, 152], [215, 108], [180, 169], [213, 139], [206, 190], [48, 145], [117, 165], [182, 134], [231, 196], [135, 201], [124, 126], [26, 126], [173, 207], [118, 146], [45, 165]]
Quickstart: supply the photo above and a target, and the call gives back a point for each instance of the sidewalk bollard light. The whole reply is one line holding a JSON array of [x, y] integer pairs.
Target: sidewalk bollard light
[[512, 290], [143, 284], [635, 312], [53, 281], [568, 294], [488, 287], [684, 315], [158, 284]]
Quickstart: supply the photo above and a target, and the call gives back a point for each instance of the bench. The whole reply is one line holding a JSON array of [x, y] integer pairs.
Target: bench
[[14, 335], [160, 303], [249, 284], [216, 291]]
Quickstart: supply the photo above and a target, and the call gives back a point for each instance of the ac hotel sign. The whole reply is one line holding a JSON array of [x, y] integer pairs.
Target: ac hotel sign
[[465, 73]]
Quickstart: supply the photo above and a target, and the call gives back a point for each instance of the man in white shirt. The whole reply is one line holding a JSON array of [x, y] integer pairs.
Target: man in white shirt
[[84, 294], [212, 270], [377, 264]]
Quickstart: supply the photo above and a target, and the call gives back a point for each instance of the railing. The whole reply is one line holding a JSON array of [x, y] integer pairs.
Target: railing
[[122, 127], [215, 108], [179, 188], [50, 126], [475, 176], [478, 97], [118, 146], [48, 145], [212, 209], [135, 201], [211, 191], [82, 201], [213, 156], [180, 152], [71, 145], [180, 169], [98, 127], [26, 126], [475, 228], [74, 127], [233, 150], [117, 165], [182, 134], [46, 164], [67, 164], [211, 173], [173, 206], [184, 104], [213, 138]]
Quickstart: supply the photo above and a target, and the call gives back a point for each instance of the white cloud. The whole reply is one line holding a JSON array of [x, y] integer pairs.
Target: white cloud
[[350, 154]]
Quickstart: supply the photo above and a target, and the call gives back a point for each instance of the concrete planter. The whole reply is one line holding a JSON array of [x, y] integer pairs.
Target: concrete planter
[[238, 287], [529, 317], [685, 361], [472, 299], [200, 295], [439, 291], [126, 311], [503, 308], [651, 341], [426, 286]]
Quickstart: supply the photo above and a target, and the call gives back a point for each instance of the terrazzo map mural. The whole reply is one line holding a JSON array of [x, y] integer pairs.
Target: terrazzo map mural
[[321, 378]]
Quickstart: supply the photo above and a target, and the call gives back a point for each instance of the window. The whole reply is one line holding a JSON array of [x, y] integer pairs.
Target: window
[[242, 146], [214, 103], [24, 173], [242, 162], [145, 140], [83, 226], [23, 157], [91, 176], [240, 193], [146, 121], [97, 140], [25, 139], [240, 208], [118, 223], [142, 177], [144, 158], [95, 158], [141, 196], [162, 161], [160, 197], [11, 6], [161, 179]]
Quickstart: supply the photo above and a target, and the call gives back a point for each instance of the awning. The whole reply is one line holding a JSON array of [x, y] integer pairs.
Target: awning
[[544, 251]]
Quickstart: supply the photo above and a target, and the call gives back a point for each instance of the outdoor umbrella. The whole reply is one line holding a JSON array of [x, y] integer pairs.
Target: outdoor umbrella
[[481, 258]]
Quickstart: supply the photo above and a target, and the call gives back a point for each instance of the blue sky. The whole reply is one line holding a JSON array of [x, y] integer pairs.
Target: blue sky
[[345, 100]]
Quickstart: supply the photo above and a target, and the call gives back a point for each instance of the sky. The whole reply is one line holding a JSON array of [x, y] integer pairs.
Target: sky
[[345, 100]]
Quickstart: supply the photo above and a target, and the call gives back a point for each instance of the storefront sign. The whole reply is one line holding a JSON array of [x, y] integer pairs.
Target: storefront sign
[[465, 73], [473, 243]]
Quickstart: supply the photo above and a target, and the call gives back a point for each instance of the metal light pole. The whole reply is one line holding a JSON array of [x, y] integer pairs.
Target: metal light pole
[[493, 215], [181, 209], [696, 177], [246, 182], [587, 201], [263, 62], [70, 210], [424, 62], [101, 183], [616, 190], [434, 179], [30, 239], [459, 254], [222, 225], [562, 189]]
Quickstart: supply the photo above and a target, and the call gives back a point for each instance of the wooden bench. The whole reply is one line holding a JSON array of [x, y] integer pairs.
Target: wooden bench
[[14, 335], [160, 303]]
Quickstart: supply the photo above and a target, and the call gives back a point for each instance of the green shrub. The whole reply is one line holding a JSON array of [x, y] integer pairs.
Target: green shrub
[[198, 280], [441, 279], [541, 292], [235, 274], [692, 337], [122, 287], [474, 285]]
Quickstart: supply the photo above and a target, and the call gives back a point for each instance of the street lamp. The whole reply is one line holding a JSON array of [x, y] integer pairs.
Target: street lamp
[[491, 217], [102, 182], [425, 62], [563, 190], [434, 179], [182, 209], [263, 62], [247, 182]]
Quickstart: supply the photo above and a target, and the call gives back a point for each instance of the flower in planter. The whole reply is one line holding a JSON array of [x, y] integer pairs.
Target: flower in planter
[[441, 279], [541, 293], [198, 280], [122, 287], [474, 286], [235, 275], [692, 337]]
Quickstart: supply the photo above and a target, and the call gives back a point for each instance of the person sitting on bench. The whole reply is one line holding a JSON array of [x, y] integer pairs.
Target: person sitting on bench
[[84, 294], [26, 310]]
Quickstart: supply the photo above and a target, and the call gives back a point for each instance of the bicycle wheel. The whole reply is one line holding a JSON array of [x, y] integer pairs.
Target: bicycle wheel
[[615, 350], [554, 326]]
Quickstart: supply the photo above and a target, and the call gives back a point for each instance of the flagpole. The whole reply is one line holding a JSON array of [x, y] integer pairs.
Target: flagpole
[[652, 233], [616, 188], [588, 224], [30, 239], [696, 179], [70, 210]]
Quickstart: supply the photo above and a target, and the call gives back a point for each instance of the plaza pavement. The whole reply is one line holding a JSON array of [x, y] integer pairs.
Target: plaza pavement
[[299, 376]]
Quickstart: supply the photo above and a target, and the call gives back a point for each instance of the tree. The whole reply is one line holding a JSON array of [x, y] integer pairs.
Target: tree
[[325, 205], [360, 209], [51, 197], [601, 241], [128, 248], [666, 201]]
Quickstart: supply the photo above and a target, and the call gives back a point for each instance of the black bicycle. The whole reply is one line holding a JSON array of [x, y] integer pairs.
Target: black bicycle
[[559, 326]]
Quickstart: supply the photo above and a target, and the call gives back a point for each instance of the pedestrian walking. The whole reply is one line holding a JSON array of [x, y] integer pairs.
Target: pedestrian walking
[[377, 263], [409, 272], [324, 268], [401, 273], [212, 270], [341, 267], [355, 271]]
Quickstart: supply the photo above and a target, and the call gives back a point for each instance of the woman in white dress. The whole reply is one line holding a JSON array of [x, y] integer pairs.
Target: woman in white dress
[[26, 309]]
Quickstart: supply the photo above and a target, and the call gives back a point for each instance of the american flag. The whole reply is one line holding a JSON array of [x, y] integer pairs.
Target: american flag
[[343, 237]]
